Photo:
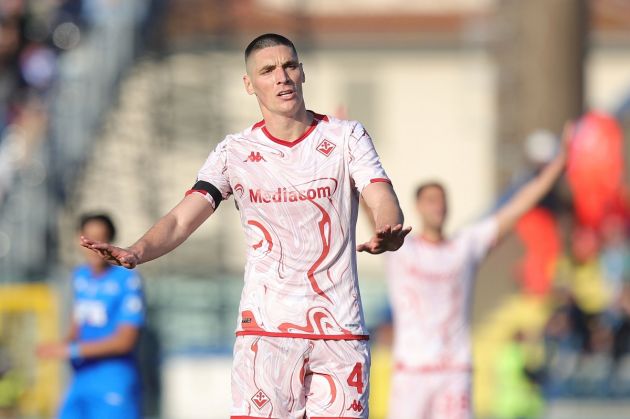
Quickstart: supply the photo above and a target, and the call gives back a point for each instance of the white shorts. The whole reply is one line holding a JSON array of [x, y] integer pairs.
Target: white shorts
[[430, 395], [292, 378]]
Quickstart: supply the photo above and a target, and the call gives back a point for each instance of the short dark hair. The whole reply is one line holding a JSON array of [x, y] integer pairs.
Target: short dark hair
[[101, 218], [426, 185], [268, 40]]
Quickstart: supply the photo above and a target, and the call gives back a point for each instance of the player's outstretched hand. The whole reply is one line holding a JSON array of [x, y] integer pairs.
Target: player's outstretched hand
[[112, 254], [386, 239]]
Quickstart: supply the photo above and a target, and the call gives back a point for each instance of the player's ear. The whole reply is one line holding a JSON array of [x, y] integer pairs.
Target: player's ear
[[302, 72], [248, 85]]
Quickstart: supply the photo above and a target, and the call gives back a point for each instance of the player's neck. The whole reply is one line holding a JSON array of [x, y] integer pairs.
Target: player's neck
[[432, 235], [98, 269], [288, 128]]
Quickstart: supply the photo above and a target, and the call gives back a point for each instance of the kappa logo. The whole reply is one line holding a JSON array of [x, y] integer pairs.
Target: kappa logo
[[356, 406], [326, 147], [260, 399], [255, 157]]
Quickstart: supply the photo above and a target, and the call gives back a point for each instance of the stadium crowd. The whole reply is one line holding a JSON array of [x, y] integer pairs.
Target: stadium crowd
[[32, 37], [587, 336]]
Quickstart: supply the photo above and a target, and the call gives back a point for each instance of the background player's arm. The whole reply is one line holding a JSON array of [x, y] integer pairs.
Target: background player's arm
[[73, 332], [385, 216], [165, 235], [535, 189], [120, 343]]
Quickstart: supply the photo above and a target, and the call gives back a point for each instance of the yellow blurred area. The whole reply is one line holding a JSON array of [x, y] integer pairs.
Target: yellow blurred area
[[28, 316], [516, 314], [380, 381]]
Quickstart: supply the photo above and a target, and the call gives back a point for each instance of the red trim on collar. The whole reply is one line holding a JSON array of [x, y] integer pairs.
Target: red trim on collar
[[317, 118]]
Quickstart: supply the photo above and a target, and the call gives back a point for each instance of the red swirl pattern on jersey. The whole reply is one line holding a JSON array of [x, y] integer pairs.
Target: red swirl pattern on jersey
[[318, 321], [324, 231], [266, 234], [298, 207]]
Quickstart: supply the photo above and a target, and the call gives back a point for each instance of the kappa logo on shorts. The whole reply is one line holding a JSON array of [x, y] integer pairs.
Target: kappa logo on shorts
[[255, 157], [260, 399], [356, 406], [326, 147]]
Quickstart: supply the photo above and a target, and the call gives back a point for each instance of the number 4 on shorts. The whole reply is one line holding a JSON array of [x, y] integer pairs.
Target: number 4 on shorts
[[355, 379]]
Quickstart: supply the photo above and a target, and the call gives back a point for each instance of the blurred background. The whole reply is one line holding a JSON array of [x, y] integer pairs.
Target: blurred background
[[113, 105]]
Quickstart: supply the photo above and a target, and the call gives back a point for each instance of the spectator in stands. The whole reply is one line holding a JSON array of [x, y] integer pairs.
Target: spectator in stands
[[583, 274], [594, 368], [621, 349], [615, 254], [518, 395], [622, 333], [564, 339]]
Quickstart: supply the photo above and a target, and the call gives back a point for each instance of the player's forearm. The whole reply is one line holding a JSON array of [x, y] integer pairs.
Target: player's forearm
[[530, 194], [162, 238], [387, 212], [105, 348], [172, 229], [382, 202], [72, 333], [121, 343]]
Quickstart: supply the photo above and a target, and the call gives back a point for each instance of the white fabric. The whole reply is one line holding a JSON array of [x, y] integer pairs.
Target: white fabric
[[298, 206], [430, 288]]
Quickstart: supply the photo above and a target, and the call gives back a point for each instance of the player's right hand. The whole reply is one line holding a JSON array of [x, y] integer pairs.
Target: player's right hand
[[112, 254], [386, 239]]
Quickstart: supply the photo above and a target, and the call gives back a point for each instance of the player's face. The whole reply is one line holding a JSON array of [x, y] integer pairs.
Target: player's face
[[275, 76], [432, 207], [95, 230]]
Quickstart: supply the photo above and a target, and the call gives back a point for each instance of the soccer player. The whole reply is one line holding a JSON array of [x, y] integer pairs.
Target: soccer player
[[108, 314], [296, 176], [430, 283]]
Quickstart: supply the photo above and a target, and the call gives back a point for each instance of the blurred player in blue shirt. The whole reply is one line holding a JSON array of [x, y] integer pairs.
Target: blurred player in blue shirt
[[108, 313]]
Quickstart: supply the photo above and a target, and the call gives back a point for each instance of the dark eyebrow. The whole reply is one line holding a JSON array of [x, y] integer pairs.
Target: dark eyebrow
[[290, 62], [268, 67]]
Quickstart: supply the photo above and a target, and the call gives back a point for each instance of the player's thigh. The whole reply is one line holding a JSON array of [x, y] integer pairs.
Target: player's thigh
[[410, 395], [430, 395], [454, 398], [72, 407], [107, 397], [113, 405], [338, 379], [268, 377]]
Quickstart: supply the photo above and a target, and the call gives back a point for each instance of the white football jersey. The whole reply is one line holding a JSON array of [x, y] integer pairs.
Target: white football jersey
[[430, 288], [298, 205]]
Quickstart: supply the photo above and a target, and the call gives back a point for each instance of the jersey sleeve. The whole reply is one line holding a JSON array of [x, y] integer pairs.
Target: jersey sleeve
[[132, 307], [212, 179], [482, 236], [364, 163]]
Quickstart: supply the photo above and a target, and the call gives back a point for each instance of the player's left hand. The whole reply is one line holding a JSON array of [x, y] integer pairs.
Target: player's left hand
[[53, 351], [386, 239]]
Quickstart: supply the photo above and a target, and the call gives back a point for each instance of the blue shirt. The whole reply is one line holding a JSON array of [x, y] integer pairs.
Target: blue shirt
[[102, 303]]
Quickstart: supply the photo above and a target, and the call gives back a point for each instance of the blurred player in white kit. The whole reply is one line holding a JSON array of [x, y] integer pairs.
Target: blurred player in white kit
[[431, 281], [296, 176]]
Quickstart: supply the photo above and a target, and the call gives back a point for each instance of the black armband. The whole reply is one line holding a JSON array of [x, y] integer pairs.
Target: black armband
[[207, 188]]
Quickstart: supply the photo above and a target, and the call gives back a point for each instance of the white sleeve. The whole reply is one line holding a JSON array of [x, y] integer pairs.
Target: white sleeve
[[364, 163], [213, 178], [482, 236]]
